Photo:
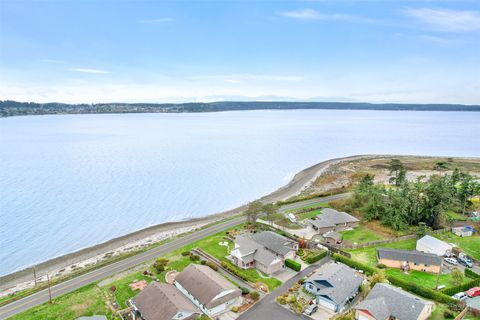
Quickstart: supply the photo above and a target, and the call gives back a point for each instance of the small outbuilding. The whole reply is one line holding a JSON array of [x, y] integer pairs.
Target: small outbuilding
[[433, 245], [465, 231]]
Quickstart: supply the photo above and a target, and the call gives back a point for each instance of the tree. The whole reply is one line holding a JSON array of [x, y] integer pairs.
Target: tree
[[467, 188], [160, 264], [254, 209], [398, 170], [457, 276], [270, 209]]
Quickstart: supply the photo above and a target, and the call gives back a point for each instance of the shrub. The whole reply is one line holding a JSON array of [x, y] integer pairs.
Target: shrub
[[281, 300], [354, 264], [292, 264], [457, 276], [254, 295], [471, 274], [235, 309], [447, 314], [113, 288], [291, 298], [463, 287], [234, 270], [160, 265], [245, 290], [185, 253], [203, 262], [381, 266], [315, 258], [212, 265], [300, 252], [301, 281], [194, 257]]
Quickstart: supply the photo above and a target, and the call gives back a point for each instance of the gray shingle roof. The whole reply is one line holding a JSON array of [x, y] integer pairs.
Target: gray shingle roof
[[274, 242], [342, 280], [386, 301], [411, 256], [434, 243], [330, 218], [159, 301], [205, 284]]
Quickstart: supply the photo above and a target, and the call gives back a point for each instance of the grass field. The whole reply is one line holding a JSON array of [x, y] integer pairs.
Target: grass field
[[423, 279], [308, 215], [311, 206], [471, 245], [367, 255], [123, 292], [85, 301], [361, 234]]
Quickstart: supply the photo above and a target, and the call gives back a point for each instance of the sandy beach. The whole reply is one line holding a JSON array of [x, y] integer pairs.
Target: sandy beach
[[72, 262]]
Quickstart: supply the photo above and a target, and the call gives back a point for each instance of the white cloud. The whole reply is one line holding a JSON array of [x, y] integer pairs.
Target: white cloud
[[157, 21], [87, 70], [311, 14], [447, 20]]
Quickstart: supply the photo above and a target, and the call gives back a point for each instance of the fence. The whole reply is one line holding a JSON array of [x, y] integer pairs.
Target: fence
[[336, 250], [377, 242]]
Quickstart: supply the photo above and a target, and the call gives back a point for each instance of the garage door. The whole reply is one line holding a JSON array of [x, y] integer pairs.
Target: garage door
[[327, 304]]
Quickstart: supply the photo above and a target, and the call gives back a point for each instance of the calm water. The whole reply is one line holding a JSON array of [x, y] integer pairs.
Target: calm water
[[68, 182]]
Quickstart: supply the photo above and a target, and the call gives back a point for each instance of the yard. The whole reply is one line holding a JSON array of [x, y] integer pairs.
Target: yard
[[360, 234], [423, 279], [470, 245], [308, 215], [123, 292], [311, 206], [85, 301], [368, 255]]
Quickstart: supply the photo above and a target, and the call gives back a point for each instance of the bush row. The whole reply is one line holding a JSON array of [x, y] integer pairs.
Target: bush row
[[234, 270], [471, 274], [463, 287], [317, 257], [423, 292], [292, 264], [354, 264]]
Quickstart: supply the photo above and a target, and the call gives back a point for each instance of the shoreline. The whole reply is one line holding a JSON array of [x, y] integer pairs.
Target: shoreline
[[69, 263]]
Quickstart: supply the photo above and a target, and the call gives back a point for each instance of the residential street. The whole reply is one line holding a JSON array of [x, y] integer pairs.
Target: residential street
[[267, 308]]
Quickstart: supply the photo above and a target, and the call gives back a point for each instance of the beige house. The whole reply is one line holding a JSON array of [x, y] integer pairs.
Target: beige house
[[409, 260], [265, 251], [208, 290], [159, 301], [386, 302], [333, 220]]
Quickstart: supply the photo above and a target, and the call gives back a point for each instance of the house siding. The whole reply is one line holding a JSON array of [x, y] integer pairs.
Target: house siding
[[412, 266]]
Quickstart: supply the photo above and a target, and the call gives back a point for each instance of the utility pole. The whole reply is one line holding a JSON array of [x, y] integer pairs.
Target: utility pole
[[438, 276], [35, 276], [49, 291]]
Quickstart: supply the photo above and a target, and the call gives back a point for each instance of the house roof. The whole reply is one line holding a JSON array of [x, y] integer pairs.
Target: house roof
[[251, 250], [274, 242], [434, 243], [386, 301], [330, 218], [412, 256], [205, 285], [336, 281], [159, 301], [334, 235]]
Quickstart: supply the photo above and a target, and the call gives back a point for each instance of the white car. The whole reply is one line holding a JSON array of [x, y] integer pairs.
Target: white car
[[460, 296], [451, 261]]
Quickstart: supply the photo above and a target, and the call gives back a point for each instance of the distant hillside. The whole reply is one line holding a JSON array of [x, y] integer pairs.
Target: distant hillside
[[13, 108]]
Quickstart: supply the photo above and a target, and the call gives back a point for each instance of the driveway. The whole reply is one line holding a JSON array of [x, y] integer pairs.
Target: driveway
[[267, 308]]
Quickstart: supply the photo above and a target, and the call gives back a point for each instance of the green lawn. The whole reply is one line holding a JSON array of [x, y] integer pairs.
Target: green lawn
[[456, 216], [423, 279], [360, 234], [308, 215], [471, 245], [85, 301], [315, 205], [368, 256], [123, 292]]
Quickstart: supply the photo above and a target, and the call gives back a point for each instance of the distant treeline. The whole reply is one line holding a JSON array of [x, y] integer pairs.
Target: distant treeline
[[14, 108]]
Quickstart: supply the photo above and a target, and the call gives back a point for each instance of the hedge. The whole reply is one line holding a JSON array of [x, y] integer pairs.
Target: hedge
[[234, 270], [315, 258], [354, 264], [463, 287], [471, 274], [292, 264], [423, 292]]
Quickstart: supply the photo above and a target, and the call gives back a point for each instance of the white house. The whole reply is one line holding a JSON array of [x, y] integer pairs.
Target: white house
[[208, 290], [433, 245], [465, 231]]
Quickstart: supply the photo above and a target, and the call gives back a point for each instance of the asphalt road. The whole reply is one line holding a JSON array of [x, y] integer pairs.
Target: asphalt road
[[101, 273], [301, 204]]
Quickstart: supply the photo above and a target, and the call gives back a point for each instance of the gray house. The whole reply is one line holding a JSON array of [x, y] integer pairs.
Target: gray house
[[265, 251], [334, 285], [388, 302], [333, 220], [159, 301]]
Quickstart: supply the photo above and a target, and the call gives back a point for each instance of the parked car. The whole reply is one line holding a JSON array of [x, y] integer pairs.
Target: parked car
[[465, 262], [460, 296], [311, 309], [451, 261], [473, 292]]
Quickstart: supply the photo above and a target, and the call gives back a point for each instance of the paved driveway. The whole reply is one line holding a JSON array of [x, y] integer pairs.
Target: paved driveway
[[267, 308]]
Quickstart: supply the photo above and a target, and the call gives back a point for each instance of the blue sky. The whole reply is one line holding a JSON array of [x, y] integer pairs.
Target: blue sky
[[157, 51]]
